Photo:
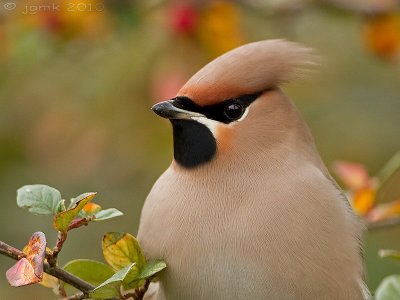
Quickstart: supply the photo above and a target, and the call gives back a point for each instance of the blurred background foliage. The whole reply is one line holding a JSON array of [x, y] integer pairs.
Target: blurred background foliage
[[77, 79]]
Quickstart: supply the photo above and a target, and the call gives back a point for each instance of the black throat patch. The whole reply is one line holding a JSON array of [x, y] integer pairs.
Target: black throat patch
[[194, 144]]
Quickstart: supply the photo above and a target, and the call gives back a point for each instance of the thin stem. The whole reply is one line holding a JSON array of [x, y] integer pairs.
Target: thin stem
[[61, 238], [139, 293], [80, 222], [61, 290]]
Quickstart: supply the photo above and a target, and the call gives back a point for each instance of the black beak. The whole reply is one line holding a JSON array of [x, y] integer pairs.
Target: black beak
[[168, 110]]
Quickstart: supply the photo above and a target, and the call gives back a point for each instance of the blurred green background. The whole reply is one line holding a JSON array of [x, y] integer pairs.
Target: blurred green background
[[77, 82]]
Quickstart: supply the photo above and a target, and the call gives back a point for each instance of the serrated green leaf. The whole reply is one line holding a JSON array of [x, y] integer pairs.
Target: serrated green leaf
[[122, 249], [92, 271], [111, 287], [152, 268], [149, 270], [389, 288], [106, 214], [39, 199], [63, 219], [383, 253]]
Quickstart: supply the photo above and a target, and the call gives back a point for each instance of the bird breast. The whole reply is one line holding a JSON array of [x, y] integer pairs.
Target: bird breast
[[286, 236]]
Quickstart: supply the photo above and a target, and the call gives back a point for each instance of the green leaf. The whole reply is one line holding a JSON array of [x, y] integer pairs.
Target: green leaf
[[111, 287], [152, 268], [106, 214], [122, 249], [92, 271], [63, 219], [39, 199], [75, 200], [61, 206], [383, 253], [389, 288]]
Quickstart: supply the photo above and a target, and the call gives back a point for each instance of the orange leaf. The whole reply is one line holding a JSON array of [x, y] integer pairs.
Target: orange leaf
[[384, 211], [29, 269], [364, 200], [220, 27], [354, 176], [91, 208], [382, 35]]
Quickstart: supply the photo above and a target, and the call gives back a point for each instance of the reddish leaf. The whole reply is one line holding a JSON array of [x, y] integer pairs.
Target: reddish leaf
[[29, 269], [184, 18], [384, 211], [22, 273], [354, 176]]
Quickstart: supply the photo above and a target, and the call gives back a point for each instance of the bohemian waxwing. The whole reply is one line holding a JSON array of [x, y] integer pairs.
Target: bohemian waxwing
[[247, 209]]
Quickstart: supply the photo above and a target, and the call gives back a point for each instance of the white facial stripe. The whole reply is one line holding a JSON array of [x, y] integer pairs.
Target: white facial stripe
[[211, 124], [185, 114], [246, 112]]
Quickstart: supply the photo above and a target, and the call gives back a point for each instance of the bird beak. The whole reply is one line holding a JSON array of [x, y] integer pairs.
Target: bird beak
[[168, 110]]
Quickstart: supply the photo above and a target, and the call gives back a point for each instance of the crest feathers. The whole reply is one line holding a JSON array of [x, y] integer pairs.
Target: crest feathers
[[249, 69]]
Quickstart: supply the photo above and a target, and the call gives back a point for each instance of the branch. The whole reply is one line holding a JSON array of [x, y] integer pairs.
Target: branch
[[55, 271], [67, 277], [139, 293], [10, 251], [383, 224], [61, 238]]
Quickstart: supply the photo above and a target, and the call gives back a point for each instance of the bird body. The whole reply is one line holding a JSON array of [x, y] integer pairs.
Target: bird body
[[247, 209]]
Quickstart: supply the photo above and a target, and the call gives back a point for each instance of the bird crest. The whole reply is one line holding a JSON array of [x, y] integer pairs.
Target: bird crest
[[249, 69]]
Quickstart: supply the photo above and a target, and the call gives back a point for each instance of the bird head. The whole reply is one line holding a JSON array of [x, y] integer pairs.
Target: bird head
[[233, 107]]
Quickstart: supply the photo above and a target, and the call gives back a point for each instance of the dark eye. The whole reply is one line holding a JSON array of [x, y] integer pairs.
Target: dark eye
[[234, 111]]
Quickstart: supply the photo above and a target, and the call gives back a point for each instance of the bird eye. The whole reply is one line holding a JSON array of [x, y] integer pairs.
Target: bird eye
[[234, 111]]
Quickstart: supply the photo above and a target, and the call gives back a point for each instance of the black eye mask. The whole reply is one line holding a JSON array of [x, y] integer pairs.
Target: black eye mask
[[226, 112], [194, 144]]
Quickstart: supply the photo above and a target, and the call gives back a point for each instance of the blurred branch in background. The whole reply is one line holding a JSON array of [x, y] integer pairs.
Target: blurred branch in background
[[383, 224]]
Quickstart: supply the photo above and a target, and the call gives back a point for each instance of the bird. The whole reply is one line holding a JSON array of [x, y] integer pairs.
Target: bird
[[247, 209]]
